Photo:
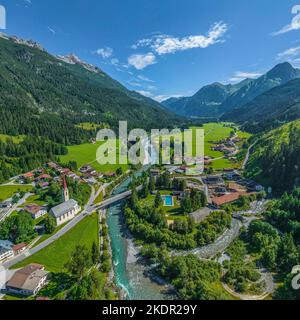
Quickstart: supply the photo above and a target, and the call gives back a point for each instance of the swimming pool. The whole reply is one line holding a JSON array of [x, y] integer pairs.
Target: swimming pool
[[168, 201]]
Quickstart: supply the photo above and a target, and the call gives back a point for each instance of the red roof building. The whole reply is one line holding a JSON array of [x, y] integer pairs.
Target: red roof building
[[28, 175], [18, 248], [228, 198]]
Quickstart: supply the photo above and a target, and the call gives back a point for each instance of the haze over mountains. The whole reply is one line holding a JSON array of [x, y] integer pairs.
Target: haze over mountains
[[245, 100]]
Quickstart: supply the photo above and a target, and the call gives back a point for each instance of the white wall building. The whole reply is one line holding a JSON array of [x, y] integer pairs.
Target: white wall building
[[65, 211]]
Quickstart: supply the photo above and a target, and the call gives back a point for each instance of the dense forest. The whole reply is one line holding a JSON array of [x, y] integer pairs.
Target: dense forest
[[26, 155], [193, 279], [273, 242]]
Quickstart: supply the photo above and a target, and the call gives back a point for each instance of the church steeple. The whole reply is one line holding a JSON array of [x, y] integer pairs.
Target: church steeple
[[65, 191]]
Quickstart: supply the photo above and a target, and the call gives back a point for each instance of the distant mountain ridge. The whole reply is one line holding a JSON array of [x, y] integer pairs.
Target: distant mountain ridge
[[217, 99], [279, 75], [270, 109], [205, 103]]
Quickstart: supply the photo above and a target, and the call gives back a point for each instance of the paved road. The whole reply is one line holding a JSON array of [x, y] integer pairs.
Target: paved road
[[222, 243], [5, 213], [248, 155], [209, 251], [269, 288]]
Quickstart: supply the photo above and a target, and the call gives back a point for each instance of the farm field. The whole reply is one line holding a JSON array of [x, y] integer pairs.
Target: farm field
[[214, 132], [86, 154], [9, 190], [56, 255]]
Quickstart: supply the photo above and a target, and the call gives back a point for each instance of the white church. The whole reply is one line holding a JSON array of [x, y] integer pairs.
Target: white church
[[67, 210]]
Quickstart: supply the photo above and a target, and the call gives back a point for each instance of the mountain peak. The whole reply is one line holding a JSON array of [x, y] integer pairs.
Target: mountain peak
[[285, 71], [29, 43], [73, 59]]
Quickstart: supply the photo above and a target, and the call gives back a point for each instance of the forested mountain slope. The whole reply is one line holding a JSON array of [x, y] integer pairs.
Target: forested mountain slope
[[276, 158], [274, 107], [46, 96]]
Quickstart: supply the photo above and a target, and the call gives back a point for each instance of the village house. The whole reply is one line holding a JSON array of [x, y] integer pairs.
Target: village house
[[19, 248], [43, 185], [220, 190], [73, 176], [214, 180], [35, 211], [43, 178], [228, 198], [6, 204], [28, 281], [52, 165], [64, 171], [235, 187], [109, 174], [154, 172], [86, 168], [27, 176], [179, 194], [6, 250]]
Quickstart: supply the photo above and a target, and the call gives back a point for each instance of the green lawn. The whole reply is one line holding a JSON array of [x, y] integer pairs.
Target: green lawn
[[170, 211], [45, 236], [15, 139], [57, 254], [34, 199], [86, 154], [90, 126], [8, 191], [99, 198]]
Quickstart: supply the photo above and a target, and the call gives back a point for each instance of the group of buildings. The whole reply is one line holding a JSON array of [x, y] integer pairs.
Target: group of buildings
[[62, 213], [9, 250], [222, 192]]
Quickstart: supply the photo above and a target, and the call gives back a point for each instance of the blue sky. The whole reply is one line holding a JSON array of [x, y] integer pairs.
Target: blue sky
[[164, 48]]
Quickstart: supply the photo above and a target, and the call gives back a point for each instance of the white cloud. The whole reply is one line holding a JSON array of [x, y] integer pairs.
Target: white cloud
[[294, 25], [145, 93], [240, 75], [51, 30], [158, 98], [144, 78], [164, 44], [115, 61], [162, 98], [289, 53], [105, 52], [134, 83], [141, 61], [28, 2]]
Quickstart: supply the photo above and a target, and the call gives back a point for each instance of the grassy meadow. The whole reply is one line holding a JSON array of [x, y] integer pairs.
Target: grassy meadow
[[56, 255], [8, 191], [86, 154]]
